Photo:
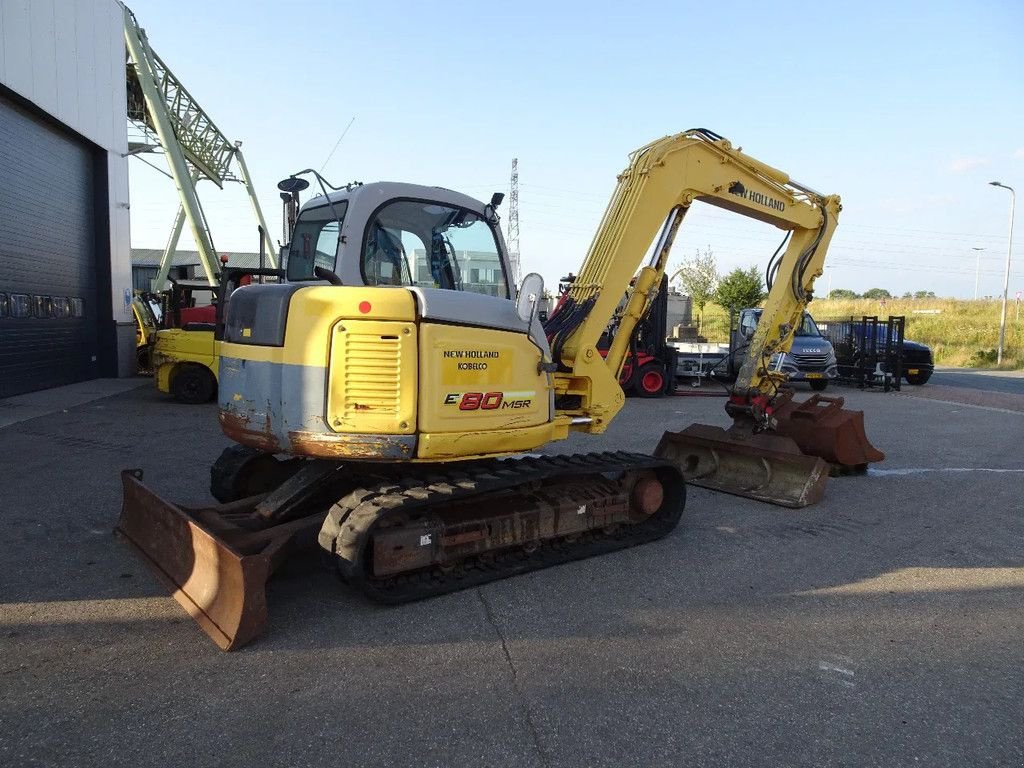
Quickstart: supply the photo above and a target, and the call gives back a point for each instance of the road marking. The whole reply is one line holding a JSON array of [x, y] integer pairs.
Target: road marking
[[827, 666], [920, 470], [939, 401], [847, 674]]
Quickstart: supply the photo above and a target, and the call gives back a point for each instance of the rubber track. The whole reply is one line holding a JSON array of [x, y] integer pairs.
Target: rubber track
[[351, 522], [224, 471]]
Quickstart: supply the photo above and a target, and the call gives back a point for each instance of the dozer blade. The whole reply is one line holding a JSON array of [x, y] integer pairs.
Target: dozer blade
[[820, 426], [220, 583], [758, 466]]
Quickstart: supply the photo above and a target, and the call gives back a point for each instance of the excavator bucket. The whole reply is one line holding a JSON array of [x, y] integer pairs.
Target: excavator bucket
[[789, 466], [758, 466], [822, 427], [211, 559]]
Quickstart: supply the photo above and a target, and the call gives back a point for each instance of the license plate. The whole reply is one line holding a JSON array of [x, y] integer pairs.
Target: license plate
[[814, 375], [912, 371]]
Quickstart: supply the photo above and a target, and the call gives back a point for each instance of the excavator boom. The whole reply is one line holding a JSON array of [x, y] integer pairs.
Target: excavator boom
[[774, 451]]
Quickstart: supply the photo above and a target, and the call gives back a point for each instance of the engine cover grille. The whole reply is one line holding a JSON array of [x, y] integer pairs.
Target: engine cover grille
[[372, 377]]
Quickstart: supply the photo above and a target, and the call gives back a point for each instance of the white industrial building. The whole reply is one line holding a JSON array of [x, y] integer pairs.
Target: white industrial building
[[65, 266]]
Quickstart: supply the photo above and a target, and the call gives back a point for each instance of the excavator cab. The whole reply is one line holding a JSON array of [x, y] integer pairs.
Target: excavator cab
[[395, 338]]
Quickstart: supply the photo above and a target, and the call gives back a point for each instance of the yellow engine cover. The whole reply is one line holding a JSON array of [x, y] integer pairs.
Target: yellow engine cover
[[477, 378], [481, 392], [372, 377], [359, 376]]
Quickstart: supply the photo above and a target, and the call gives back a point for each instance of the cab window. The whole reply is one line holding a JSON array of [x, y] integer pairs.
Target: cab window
[[315, 241], [412, 242], [807, 327], [748, 323]]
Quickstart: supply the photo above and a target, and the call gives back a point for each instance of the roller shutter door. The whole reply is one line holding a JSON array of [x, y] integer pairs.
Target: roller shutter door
[[48, 296]]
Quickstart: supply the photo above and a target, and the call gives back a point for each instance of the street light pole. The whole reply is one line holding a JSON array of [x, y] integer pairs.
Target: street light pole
[[1006, 277], [977, 270]]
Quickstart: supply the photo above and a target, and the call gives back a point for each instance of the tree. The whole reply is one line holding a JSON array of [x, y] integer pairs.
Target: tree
[[877, 293], [740, 289], [843, 293], [924, 294], [699, 278]]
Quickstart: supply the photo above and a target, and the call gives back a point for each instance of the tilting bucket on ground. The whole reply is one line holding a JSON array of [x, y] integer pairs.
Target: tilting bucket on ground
[[763, 467], [788, 466], [215, 560]]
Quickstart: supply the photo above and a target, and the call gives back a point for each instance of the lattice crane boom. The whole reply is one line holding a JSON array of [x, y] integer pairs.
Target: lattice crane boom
[[195, 147]]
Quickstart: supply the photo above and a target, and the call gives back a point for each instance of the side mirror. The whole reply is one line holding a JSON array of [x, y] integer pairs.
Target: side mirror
[[292, 184], [531, 290]]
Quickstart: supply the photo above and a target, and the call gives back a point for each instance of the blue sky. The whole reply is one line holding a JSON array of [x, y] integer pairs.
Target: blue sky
[[906, 110]]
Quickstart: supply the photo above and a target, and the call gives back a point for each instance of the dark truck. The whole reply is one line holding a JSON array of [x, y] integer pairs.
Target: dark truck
[[918, 364]]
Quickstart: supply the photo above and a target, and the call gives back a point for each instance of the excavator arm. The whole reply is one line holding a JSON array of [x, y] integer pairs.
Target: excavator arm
[[776, 450], [652, 198]]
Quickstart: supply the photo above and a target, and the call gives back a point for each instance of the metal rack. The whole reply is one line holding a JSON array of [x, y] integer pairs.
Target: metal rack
[[869, 350]]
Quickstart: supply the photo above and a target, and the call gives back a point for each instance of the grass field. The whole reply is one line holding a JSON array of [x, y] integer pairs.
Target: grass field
[[962, 333]]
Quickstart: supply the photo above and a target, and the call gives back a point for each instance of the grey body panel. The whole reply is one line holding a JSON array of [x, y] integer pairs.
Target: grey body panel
[[258, 386], [262, 310], [462, 308]]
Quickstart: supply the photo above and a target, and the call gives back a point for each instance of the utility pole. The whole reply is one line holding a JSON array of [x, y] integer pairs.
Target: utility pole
[[513, 222], [977, 270], [1006, 277]]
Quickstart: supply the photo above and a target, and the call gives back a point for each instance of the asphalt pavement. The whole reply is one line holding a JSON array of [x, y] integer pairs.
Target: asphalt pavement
[[881, 627], [1010, 382]]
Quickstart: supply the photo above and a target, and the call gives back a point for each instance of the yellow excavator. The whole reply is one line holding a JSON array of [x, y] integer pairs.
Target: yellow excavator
[[378, 397]]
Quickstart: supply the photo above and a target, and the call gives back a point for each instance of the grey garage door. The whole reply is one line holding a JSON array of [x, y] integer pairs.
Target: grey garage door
[[48, 296]]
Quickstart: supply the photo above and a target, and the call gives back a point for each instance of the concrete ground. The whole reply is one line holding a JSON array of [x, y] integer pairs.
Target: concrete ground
[[881, 627]]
